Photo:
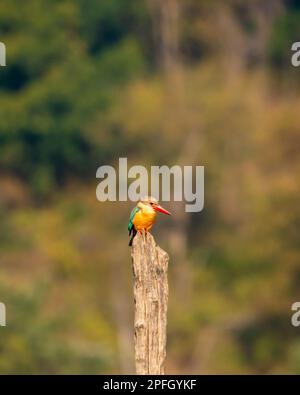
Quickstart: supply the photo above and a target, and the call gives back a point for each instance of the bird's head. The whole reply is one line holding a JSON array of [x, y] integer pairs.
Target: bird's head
[[149, 202]]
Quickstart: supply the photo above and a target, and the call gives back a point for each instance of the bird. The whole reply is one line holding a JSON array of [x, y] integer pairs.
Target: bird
[[143, 216]]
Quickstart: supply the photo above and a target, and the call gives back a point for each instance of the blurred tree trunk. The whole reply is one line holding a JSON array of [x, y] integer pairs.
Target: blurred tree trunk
[[165, 16], [166, 22], [264, 14], [239, 47]]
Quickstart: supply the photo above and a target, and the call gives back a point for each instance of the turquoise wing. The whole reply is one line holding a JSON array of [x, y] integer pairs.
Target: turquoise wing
[[132, 214]]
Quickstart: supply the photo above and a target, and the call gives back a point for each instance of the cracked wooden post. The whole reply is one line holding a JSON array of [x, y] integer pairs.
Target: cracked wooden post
[[150, 267]]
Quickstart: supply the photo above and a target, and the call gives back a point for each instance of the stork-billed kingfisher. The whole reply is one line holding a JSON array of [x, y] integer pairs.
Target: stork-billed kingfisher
[[143, 216]]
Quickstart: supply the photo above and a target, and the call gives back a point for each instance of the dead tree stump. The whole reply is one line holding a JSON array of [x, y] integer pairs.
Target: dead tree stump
[[150, 267]]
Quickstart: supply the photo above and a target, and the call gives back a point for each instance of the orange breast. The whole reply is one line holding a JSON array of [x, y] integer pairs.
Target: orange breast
[[144, 220]]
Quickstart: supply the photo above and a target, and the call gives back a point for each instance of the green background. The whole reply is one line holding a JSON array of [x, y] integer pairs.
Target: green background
[[161, 82]]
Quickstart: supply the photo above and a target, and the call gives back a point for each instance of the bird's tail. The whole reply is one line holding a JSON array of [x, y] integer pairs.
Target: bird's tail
[[132, 232]]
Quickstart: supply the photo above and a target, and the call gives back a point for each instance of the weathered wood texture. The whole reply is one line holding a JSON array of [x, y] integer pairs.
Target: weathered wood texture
[[150, 266]]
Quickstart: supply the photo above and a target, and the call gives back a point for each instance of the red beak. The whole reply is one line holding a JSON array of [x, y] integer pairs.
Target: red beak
[[161, 209]]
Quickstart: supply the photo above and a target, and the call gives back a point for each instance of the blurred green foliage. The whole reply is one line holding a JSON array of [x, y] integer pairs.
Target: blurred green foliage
[[58, 78], [88, 82]]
